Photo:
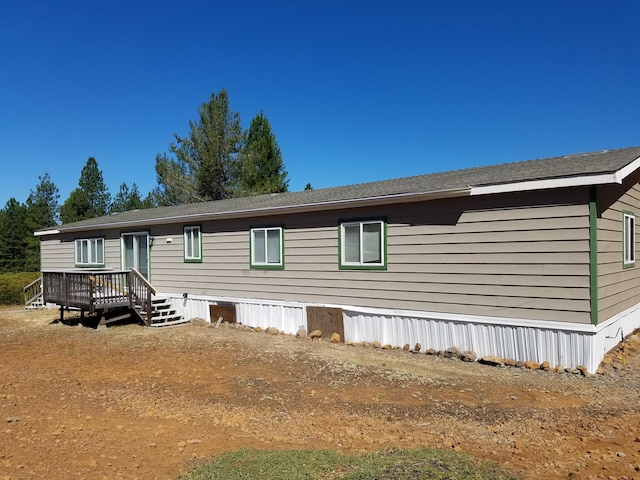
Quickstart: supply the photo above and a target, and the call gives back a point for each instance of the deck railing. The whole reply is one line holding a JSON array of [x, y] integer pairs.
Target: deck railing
[[87, 290], [33, 292], [140, 292]]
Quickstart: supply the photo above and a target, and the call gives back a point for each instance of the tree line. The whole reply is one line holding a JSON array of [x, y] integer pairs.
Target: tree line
[[216, 160]]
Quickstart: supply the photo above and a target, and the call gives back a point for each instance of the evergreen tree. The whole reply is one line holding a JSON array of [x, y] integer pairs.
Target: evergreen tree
[[13, 237], [217, 138], [176, 183], [42, 213], [91, 199], [261, 166], [127, 199], [76, 207], [92, 184], [149, 201], [205, 162]]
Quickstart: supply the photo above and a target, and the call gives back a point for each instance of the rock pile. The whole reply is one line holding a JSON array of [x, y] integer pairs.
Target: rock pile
[[613, 361]]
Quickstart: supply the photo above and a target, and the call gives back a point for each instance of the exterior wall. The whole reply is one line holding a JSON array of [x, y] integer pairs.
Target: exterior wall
[[520, 256], [523, 256], [507, 275], [618, 287], [58, 252]]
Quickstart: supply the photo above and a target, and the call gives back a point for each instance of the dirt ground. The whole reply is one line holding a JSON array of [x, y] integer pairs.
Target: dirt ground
[[139, 403]]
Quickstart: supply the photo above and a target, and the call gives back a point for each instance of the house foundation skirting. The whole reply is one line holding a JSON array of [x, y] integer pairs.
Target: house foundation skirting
[[559, 343]]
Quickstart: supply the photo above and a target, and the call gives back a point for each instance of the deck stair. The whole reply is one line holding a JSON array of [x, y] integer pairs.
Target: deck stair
[[162, 313], [33, 298], [35, 304]]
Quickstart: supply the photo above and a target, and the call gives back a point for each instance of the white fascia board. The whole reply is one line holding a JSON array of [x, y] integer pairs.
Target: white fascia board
[[309, 207], [624, 172], [578, 181], [46, 232], [546, 184]]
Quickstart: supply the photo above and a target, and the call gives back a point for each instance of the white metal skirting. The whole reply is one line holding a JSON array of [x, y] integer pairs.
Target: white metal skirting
[[558, 347], [566, 344], [287, 317]]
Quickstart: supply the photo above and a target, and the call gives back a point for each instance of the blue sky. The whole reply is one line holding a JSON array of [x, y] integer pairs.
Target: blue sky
[[355, 91]]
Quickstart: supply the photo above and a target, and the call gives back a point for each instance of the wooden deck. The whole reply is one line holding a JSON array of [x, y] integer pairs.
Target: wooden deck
[[98, 291]]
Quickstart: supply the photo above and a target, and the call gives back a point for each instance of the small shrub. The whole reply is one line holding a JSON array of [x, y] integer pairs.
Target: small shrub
[[12, 286]]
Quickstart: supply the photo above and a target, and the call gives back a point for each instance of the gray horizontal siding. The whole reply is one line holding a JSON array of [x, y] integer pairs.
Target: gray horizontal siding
[[524, 256], [618, 287], [464, 256], [56, 254]]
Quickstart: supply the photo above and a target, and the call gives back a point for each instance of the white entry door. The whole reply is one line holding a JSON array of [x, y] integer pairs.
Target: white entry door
[[135, 252]]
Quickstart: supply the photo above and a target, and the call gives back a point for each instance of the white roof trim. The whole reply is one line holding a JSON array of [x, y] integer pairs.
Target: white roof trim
[[624, 172], [583, 180], [46, 232], [547, 184]]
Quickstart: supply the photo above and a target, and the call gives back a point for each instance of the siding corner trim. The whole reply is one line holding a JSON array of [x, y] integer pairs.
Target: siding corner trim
[[593, 254]]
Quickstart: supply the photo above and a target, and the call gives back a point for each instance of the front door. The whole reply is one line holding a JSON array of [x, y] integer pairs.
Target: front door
[[135, 252]]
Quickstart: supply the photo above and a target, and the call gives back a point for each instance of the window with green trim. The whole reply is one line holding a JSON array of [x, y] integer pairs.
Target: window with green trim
[[363, 245], [267, 247], [629, 239], [89, 252], [192, 244]]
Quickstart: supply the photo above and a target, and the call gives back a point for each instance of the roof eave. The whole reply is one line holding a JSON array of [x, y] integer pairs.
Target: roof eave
[[577, 181], [261, 212], [41, 233]]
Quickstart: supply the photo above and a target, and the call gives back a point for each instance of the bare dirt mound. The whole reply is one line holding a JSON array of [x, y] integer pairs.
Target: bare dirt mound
[[139, 403]]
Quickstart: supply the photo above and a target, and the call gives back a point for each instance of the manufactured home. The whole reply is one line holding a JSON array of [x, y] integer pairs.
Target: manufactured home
[[532, 260]]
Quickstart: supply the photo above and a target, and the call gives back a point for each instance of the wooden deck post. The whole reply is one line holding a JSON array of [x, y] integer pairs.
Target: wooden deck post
[[149, 308], [66, 288]]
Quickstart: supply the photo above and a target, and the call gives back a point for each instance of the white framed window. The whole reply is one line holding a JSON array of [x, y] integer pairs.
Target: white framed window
[[192, 244], [629, 239], [267, 247], [89, 252], [363, 245]]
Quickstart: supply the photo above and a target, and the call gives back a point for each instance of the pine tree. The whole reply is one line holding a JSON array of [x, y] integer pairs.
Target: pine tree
[[127, 199], [149, 201], [176, 183], [76, 207], [13, 237], [91, 199], [217, 138], [42, 213], [261, 166], [204, 163], [92, 184]]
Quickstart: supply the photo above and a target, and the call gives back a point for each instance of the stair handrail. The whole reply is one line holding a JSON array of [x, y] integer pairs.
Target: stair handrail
[[33, 291], [140, 293]]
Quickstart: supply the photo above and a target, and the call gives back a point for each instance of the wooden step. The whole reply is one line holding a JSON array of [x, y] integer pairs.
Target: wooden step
[[162, 313], [178, 321]]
